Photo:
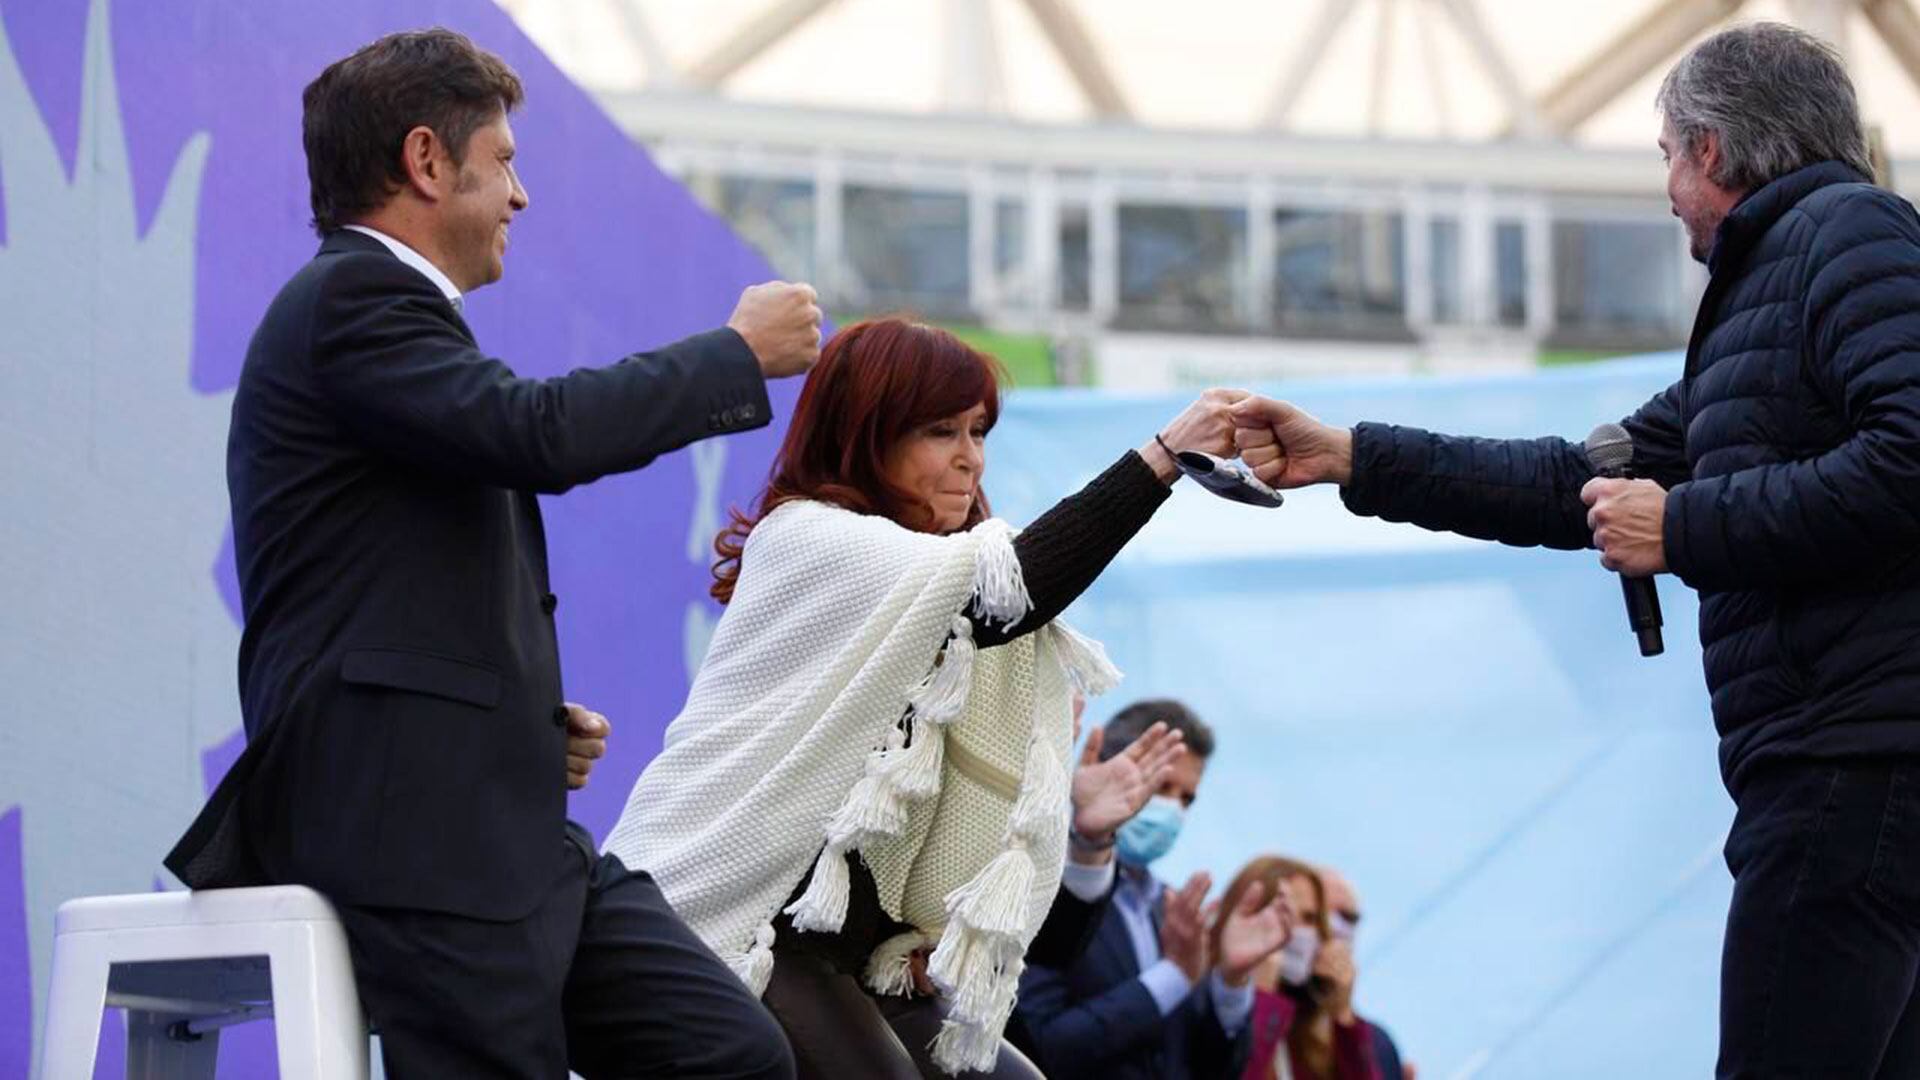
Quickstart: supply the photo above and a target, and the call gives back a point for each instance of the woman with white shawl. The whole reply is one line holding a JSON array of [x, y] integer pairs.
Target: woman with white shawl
[[873, 758]]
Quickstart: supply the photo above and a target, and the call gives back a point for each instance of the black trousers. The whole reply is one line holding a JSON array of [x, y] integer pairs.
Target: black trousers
[[1820, 975], [603, 978], [840, 1031]]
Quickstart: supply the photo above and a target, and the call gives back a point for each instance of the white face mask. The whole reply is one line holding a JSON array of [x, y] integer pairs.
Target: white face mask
[[1297, 956]]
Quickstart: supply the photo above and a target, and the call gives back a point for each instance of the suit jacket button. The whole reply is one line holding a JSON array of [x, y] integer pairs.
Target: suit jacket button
[[559, 716], [549, 602]]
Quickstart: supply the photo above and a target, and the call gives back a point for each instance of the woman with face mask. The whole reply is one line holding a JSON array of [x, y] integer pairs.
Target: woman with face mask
[[1304, 1027]]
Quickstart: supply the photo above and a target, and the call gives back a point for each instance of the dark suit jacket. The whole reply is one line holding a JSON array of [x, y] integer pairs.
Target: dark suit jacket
[[1069, 928], [399, 677], [1093, 1018]]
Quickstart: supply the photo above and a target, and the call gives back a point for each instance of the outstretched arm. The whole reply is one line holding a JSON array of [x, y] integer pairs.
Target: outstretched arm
[[1518, 491]]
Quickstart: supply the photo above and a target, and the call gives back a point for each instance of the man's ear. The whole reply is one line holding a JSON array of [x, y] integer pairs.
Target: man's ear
[[1706, 150], [424, 160]]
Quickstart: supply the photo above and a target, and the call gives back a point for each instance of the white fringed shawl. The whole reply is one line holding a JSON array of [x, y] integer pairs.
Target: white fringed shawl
[[792, 752]]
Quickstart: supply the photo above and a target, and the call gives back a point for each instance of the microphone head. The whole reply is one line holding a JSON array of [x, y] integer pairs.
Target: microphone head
[[1609, 450]]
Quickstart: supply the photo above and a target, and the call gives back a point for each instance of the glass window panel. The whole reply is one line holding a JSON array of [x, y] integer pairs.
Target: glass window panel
[[1076, 259], [1616, 279], [1009, 235], [1443, 249], [1183, 266], [775, 216], [906, 248], [1340, 271], [1010, 253], [1510, 273]]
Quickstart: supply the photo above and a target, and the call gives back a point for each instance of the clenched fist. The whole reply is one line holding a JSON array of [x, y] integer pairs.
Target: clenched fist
[[1288, 448], [1628, 519], [780, 321], [587, 733]]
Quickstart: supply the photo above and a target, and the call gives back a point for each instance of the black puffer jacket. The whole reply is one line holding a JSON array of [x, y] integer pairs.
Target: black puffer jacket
[[1790, 449]]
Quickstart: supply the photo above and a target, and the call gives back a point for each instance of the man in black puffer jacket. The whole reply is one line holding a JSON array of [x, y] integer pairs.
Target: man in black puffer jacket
[[1780, 477]]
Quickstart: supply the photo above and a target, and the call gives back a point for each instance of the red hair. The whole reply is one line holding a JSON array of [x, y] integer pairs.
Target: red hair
[[876, 383]]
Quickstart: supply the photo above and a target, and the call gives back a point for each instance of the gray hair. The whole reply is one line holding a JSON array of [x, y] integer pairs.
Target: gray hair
[[1778, 98]]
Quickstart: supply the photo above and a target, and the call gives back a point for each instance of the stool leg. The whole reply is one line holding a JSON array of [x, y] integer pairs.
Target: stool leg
[[154, 1054], [316, 1009], [76, 997]]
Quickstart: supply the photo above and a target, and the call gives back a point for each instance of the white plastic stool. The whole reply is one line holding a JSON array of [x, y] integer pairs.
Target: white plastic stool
[[186, 964]]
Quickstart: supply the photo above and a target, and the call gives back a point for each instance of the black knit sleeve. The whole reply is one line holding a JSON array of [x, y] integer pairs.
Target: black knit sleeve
[[1068, 546]]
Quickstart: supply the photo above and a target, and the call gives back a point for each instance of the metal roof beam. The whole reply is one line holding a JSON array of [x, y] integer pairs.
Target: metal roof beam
[[756, 36], [1082, 56], [646, 43], [1899, 26], [1307, 58], [1627, 58], [971, 77], [1382, 70], [1436, 74], [1493, 61]]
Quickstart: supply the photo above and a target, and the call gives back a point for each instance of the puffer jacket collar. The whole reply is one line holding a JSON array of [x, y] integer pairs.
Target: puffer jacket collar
[[1756, 212], [1745, 224]]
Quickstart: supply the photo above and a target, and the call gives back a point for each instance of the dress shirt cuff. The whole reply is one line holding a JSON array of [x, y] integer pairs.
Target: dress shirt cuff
[[1087, 883], [1168, 985], [1230, 1005]]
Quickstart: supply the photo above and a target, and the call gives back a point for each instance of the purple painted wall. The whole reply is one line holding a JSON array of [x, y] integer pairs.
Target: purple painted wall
[[613, 256]]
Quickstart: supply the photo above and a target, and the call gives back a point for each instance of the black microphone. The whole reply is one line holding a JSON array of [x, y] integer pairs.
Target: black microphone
[[1610, 452]]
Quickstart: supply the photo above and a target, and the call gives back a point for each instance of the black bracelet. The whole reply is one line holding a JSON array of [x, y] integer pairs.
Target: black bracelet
[[1074, 838]]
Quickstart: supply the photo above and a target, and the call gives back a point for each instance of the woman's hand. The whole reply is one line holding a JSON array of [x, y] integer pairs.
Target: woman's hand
[[1252, 933], [1205, 425]]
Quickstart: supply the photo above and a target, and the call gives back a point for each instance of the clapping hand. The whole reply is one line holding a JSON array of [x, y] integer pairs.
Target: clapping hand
[[1183, 926], [1253, 932], [1334, 964]]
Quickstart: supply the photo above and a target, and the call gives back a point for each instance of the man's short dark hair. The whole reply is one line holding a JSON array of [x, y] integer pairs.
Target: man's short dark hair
[[358, 112], [1133, 721]]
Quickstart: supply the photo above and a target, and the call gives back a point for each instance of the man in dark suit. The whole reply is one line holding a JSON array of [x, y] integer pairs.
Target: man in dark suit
[[407, 739], [1143, 998]]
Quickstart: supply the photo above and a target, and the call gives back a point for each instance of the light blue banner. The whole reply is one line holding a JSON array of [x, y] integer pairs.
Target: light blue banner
[[1531, 811]]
